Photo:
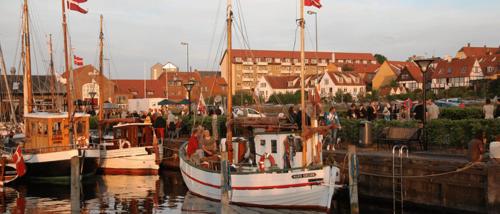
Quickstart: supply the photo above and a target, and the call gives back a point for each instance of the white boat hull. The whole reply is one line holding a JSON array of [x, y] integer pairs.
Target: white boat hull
[[303, 189], [128, 161]]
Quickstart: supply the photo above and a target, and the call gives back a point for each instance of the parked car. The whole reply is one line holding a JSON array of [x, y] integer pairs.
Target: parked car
[[246, 112]]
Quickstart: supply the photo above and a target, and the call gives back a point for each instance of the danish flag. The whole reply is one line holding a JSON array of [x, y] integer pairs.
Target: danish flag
[[314, 3], [78, 60], [75, 5], [17, 157]]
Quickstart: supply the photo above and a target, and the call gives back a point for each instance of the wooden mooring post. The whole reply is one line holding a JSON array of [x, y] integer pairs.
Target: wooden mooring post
[[493, 186], [75, 184], [353, 178]]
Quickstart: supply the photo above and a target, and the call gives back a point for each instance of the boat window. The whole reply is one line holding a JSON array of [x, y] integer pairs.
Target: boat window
[[42, 129], [80, 127], [56, 128], [262, 142], [274, 145], [298, 144]]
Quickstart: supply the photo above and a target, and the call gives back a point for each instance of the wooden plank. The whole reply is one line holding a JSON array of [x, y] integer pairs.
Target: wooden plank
[[75, 184]]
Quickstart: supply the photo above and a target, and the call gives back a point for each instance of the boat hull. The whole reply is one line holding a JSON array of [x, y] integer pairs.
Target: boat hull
[[299, 189], [55, 166], [128, 161]]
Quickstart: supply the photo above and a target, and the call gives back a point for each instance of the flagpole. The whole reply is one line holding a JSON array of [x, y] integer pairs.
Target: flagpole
[[302, 82]]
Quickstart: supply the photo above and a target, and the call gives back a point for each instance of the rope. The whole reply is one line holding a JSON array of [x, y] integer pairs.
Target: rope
[[469, 165]]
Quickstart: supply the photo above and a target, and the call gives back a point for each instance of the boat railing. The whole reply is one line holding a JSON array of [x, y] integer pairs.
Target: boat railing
[[48, 149]]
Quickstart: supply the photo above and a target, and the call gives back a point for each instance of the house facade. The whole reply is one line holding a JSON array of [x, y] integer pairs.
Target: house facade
[[347, 82], [456, 73], [411, 77], [477, 52], [269, 85]]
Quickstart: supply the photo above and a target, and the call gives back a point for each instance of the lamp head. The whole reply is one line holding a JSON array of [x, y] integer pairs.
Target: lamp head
[[423, 64], [184, 43]]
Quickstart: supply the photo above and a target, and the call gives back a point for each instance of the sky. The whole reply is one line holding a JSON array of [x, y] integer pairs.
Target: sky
[[139, 34]]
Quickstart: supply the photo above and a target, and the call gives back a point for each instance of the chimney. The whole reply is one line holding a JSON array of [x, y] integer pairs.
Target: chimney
[[468, 44], [484, 46]]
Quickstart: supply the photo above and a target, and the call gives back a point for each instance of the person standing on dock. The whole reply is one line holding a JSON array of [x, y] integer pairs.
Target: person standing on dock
[[159, 126], [488, 109]]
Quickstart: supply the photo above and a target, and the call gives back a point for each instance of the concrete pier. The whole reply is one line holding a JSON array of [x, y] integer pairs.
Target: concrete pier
[[476, 189]]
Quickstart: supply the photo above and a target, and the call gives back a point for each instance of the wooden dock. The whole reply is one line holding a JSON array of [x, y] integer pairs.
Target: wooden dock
[[430, 179]]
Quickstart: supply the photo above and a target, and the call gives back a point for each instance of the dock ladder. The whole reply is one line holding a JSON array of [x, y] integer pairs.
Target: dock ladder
[[397, 176]]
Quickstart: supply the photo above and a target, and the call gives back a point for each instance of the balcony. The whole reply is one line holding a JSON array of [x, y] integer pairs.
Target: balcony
[[286, 63], [246, 79], [262, 63], [247, 63], [262, 71], [285, 72], [245, 71], [323, 64]]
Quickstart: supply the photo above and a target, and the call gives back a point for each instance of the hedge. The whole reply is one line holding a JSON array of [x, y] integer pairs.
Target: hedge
[[440, 132], [461, 113]]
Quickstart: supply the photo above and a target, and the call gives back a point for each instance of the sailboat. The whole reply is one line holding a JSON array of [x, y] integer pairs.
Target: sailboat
[[300, 181], [52, 138], [133, 148]]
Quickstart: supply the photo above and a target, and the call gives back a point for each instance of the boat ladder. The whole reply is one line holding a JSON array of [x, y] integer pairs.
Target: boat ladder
[[398, 153]]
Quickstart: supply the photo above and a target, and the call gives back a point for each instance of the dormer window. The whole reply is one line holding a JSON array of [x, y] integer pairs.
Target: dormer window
[[287, 60], [277, 60], [463, 69], [295, 61], [238, 59], [290, 83], [269, 60]]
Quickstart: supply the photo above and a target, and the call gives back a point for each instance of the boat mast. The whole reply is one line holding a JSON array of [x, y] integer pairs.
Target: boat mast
[[7, 87], [302, 82], [27, 88], [66, 62], [101, 73], [101, 79], [52, 75], [229, 112]]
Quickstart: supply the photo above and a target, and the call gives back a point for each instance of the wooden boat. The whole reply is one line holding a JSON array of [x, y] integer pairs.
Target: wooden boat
[[133, 149], [8, 170], [289, 173]]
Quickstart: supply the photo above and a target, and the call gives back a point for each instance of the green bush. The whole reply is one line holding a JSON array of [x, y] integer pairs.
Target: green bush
[[460, 114], [442, 132], [287, 98], [93, 122]]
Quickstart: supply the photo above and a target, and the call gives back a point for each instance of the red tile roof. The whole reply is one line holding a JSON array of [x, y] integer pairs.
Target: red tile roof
[[454, 68], [281, 82], [346, 78], [361, 68], [262, 54], [492, 62], [479, 51], [213, 86]]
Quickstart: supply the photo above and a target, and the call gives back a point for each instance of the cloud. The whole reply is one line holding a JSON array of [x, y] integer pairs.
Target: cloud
[[150, 31]]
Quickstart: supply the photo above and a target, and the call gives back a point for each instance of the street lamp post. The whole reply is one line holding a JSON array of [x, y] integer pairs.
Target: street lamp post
[[187, 55], [189, 86], [424, 65]]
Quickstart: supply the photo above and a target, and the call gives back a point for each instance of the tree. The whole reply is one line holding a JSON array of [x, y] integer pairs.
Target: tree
[[339, 96], [348, 98], [380, 58], [287, 98], [242, 98]]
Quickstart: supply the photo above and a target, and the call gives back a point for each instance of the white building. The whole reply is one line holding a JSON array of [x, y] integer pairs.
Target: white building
[[269, 85], [347, 82], [456, 73]]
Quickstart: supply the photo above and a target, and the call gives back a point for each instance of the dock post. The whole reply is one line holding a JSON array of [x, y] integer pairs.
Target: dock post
[[75, 184], [353, 178], [493, 185]]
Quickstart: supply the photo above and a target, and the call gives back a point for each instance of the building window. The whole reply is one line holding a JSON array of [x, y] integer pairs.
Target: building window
[[238, 59], [314, 61], [263, 85], [340, 61], [463, 70], [287, 60], [326, 82], [306, 61], [269, 60], [404, 76], [449, 70], [355, 90], [249, 59], [365, 62], [277, 60], [290, 83], [295, 61], [490, 69]]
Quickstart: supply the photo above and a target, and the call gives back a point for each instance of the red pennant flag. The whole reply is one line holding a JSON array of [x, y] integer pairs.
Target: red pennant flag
[[19, 160], [74, 5], [314, 3], [78, 60]]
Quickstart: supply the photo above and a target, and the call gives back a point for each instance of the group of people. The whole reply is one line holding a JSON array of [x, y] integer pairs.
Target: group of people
[[386, 111], [202, 148]]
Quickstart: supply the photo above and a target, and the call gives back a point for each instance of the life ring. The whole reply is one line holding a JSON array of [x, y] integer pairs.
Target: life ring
[[124, 143], [262, 160]]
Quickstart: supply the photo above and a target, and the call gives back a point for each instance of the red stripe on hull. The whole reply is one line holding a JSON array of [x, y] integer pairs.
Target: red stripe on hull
[[255, 187], [114, 171], [288, 207]]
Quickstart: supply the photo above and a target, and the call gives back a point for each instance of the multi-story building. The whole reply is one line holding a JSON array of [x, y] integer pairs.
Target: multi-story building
[[456, 73], [249, 66], [158, 69]]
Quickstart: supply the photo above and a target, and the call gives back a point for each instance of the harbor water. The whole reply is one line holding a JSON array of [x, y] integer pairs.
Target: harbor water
[[165, 193]]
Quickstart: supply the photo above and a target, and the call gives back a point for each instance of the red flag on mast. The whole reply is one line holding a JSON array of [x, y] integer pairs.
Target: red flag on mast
[[78, 60], [75, 5], [19, 161], [314, 3]]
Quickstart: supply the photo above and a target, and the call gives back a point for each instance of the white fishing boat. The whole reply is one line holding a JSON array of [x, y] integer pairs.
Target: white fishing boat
[[289, 174], [132, 149]]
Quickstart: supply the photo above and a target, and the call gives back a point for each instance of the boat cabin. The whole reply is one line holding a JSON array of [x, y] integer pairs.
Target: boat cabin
[[275, 150], [126, 135], [49, 132]]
